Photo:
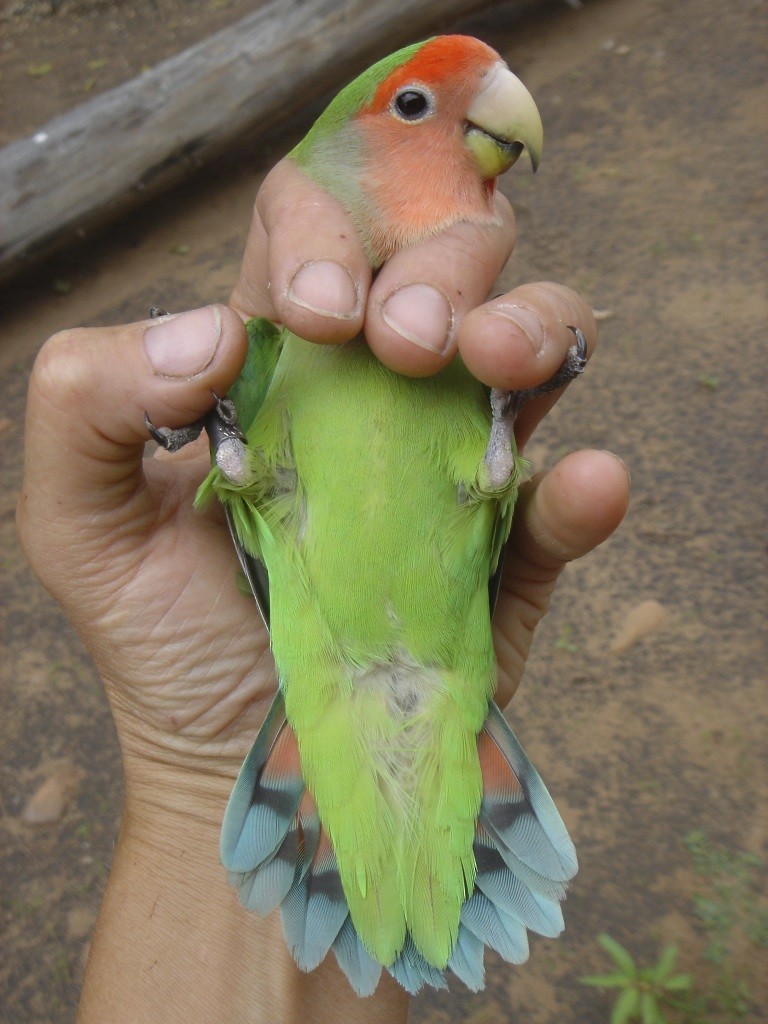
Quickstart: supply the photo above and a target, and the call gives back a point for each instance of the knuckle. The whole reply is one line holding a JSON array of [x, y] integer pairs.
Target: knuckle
[[563, 307], [292, 207], [61, 367], [287, 194], [467, 258]]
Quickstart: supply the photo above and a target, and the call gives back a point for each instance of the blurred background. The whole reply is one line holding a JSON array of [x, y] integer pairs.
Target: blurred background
[[644, 703]]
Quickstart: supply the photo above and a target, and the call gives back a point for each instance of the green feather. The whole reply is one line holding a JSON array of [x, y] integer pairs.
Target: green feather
[[250, 388], [345, 105], [373, 561]]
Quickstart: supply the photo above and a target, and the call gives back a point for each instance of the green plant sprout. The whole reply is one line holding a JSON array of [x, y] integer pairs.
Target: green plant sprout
[[643, 991], [564, 641], [729, 907], [729, 904]]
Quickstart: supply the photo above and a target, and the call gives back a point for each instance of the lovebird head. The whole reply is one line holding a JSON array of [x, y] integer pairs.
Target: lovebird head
[[417, 142]]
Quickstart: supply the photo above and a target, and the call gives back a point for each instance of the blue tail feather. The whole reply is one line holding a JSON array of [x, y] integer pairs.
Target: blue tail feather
[[537, 883], [509, 891], [262, 805], [412, 971], [495, 928], [264, 888], [315, 909], [353, 958], [466, 960], [532, 828]]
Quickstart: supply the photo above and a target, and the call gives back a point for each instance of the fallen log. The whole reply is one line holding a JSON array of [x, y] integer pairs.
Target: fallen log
[[130, 143]]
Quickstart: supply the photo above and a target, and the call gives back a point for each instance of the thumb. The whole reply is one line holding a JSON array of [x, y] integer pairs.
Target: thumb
[[88, 394]]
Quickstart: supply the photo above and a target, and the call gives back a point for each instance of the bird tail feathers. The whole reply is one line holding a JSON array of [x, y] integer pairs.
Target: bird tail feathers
[[278, 854]]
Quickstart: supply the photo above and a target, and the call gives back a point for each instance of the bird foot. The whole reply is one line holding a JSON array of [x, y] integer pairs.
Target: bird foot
[[506, 405]]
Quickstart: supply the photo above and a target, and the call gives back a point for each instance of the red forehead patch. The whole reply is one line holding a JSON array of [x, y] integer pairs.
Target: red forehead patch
[[439, 59]]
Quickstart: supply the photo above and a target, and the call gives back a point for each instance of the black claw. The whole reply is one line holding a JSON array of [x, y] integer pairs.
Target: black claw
[[579, 351], [156, 311], [504, 403], [173, 440], [572, 366], [220, 424], [225, 410]]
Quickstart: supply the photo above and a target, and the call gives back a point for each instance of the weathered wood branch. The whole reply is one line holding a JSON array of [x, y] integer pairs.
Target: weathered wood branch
[[128, 144]]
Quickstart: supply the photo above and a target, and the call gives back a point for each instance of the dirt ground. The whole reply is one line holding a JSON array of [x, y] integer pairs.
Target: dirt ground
[[56, 54], [644, 705]]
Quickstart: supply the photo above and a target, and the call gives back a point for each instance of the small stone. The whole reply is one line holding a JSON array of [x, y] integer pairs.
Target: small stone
[[644, 619], [49, 801]]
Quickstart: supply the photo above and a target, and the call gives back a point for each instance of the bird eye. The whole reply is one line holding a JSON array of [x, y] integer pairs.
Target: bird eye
[[413, 104]]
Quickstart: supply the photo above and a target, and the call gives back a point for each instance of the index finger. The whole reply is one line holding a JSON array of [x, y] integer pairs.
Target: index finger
[[304, 264]]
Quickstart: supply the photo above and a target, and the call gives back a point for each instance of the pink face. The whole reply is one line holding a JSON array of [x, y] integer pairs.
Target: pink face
[[418, 172]]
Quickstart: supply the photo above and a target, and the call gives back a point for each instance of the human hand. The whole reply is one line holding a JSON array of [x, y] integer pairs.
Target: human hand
[[149, 583]]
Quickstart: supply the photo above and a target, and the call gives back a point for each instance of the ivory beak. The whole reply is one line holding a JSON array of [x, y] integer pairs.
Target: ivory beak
[[502, 120]]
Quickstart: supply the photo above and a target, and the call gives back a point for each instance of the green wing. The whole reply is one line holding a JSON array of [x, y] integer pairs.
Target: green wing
[[265, 342]]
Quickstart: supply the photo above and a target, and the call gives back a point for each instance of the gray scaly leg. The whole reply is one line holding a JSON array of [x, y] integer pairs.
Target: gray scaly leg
[[505, 407]]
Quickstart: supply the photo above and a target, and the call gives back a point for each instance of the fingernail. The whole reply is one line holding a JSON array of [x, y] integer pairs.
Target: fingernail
[[621, 462], [183, 344], [324, 287], [421, 314], [525, 320]]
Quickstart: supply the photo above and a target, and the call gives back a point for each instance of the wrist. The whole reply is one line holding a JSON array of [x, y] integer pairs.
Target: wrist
[[172, 942], [173, 774], [164, 798]]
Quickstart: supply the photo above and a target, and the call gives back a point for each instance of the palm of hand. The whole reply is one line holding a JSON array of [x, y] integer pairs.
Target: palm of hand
[[184, 655]]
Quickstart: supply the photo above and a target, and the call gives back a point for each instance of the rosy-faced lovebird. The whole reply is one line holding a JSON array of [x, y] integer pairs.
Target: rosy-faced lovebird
[[386, 807]]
